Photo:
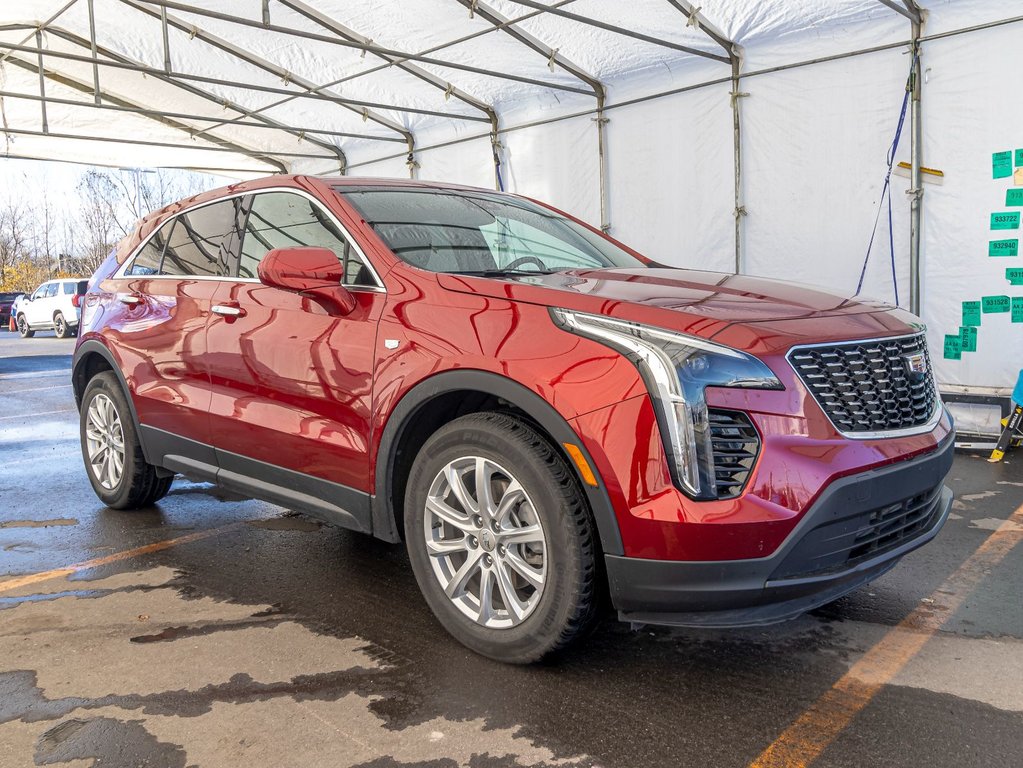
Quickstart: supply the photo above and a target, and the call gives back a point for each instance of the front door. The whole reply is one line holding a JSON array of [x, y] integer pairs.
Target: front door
[[39, 311], [292, 378]]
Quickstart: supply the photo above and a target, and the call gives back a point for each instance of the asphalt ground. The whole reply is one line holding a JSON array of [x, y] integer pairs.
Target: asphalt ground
[[218, 631]]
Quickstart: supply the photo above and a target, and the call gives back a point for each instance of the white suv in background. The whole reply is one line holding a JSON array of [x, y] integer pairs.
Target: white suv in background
[[55, 304]]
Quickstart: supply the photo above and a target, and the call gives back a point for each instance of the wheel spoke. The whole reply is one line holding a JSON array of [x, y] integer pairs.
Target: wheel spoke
[[527, 534], [118, 462], [445, 547], [449, 515], [456, 587], [486, 596], [484, 502], [532, 576], [516, 608], [454, 478], [513, 494]]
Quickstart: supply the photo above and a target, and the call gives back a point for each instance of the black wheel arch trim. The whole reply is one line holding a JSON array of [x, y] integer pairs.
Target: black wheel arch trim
[[532, 404], [90, 347]]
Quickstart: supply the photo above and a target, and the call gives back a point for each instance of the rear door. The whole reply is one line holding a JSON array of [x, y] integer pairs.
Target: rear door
[[164, 299], [292, 379]]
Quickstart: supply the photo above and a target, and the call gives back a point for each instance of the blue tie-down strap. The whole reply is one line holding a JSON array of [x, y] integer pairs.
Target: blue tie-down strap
[[1017, 393]]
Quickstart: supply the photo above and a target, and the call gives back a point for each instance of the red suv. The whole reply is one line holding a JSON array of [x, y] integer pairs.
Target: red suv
[[540, 413]]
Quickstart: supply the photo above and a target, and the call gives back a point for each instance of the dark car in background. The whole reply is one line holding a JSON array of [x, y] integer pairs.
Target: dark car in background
[[6, 301]]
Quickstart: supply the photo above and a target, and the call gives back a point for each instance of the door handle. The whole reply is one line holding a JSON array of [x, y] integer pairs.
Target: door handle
[[226, 310], [131, 299]]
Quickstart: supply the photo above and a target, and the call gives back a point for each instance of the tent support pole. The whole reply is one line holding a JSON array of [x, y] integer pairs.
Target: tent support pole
[[601, 121], [42, 81], [92, 41], [495, 148], [740, 208], [916, 192], [167, 66]]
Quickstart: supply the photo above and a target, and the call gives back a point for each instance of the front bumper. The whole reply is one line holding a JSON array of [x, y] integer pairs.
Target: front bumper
[[859, 528]]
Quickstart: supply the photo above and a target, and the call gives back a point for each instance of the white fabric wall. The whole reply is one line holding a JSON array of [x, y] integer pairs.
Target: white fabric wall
[[671, 183], [965, 119], [815, 141]]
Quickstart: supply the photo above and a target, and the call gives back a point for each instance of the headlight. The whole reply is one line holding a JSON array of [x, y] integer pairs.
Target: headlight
[[677, 369]]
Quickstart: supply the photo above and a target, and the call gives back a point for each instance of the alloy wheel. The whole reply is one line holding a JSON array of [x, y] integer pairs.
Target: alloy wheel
[[486, 543], [105, 441]]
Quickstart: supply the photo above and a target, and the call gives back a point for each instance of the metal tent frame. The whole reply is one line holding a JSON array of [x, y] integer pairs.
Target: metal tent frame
[[216, 123]]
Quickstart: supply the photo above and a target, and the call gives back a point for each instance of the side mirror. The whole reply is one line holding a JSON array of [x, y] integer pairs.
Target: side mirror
[[316, 272]]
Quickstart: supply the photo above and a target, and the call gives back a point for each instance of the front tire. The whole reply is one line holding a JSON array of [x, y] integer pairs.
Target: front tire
[[500, 539], [113, 456], [23, 328], [60, 326]]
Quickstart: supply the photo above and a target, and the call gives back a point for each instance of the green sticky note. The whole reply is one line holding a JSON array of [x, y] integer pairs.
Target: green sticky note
[[1017, 309], [1019, 158], [1014, 275], [953, 347], [971, 313], [1005, 220], [994, 304], [1014, 197], [1001, 165], [968, 339], [1003, 247]]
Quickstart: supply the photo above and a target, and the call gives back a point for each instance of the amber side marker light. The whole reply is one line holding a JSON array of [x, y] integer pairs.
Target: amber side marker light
[[580, 461]]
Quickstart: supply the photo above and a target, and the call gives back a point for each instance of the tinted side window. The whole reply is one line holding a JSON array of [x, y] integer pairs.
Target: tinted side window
[[51, 290], [69, 289], [147, 260], [286, 220], [202, 240]]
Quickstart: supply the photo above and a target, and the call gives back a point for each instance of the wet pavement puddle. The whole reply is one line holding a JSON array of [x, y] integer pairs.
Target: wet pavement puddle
[[210, 684]]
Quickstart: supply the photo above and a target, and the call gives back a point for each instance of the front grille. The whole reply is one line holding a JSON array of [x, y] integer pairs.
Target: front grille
[[735, 443], [866, 386], [848, 541]]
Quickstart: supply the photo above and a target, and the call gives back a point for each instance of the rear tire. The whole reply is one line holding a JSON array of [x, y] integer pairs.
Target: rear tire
[[24, 329], [60, 326], [113, 456], [528, 542]]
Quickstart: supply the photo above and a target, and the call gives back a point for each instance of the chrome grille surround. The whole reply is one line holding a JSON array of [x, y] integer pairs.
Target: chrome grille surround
[[865, 387]]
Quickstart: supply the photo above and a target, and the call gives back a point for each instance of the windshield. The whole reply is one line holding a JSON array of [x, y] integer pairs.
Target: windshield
[[470, 231]]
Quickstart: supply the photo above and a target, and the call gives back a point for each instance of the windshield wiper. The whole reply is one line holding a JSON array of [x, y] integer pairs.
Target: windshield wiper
[[503, 272]]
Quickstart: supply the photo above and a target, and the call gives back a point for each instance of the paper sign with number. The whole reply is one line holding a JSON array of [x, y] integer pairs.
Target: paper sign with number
[[1001, 165], [968, 339], [1005, 220], [1003, 248], [994, 304], [971, 313], [1017, 309], [953, 347], [1014, 275], [1014, 198]]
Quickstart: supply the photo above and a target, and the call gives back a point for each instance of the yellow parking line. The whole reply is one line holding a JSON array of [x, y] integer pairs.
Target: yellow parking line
[[35, 578], [804, 741]]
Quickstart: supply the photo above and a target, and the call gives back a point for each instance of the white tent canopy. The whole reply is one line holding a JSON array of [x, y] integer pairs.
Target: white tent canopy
[[745, 135]]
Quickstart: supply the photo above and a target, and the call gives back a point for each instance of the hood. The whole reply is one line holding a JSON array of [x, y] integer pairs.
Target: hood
[[698, 302]]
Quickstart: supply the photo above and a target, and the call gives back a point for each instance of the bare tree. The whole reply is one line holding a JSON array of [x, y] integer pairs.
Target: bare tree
[[14, 237], [41, 237]]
